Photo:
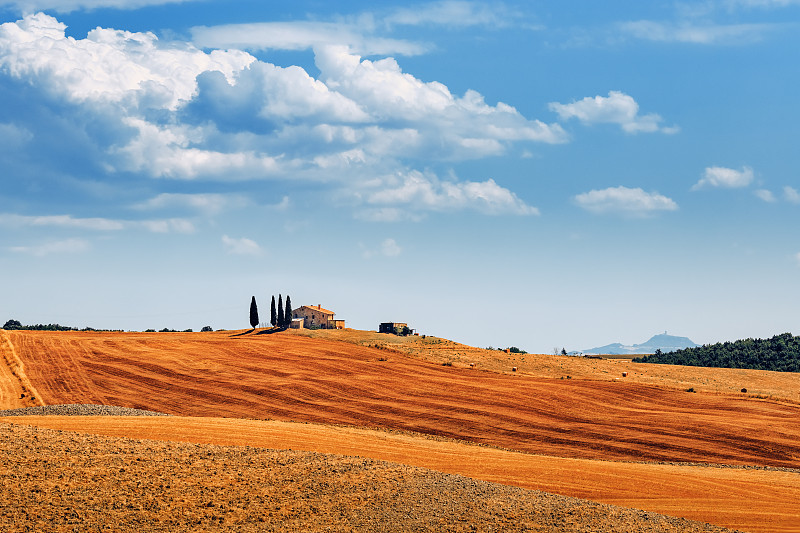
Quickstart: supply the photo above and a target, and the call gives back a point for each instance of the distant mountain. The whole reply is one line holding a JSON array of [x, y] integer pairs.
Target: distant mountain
[[662, 341]]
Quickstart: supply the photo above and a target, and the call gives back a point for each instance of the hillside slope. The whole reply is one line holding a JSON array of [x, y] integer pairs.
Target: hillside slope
[[290, 377]]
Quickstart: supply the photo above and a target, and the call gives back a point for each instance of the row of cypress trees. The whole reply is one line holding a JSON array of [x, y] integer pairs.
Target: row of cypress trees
[[280, 316]]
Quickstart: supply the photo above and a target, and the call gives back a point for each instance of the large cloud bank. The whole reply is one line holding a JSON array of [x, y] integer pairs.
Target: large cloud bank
[[136, 106]]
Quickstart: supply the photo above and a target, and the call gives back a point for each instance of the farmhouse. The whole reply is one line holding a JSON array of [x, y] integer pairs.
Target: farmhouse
[[315, 316]]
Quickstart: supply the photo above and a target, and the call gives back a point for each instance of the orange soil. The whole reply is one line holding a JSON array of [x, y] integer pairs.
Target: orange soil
[[289, 377], [293, 377], [760, 383], [16, 389], [751, 500]]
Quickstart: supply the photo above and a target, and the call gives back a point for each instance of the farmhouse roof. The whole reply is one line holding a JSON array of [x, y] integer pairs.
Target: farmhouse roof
[[319, 308]]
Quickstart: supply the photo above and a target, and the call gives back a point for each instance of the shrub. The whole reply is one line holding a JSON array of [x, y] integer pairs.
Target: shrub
[[207, 328]]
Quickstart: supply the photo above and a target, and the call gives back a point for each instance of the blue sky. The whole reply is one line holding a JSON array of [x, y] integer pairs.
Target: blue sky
[[535, 174]]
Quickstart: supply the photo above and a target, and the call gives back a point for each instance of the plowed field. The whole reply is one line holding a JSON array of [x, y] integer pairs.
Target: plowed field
[[287, 377]]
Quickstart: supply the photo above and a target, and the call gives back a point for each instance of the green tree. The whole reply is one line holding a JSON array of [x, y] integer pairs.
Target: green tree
[[273, 313], [253, 313], [280, 311], [287, 312], [13, 324]]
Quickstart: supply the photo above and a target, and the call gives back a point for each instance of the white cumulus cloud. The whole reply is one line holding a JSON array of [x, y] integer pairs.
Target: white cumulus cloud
[[616, 108], [108, 65], [725, 177], [416, 191], [624, 201], [178, 112]]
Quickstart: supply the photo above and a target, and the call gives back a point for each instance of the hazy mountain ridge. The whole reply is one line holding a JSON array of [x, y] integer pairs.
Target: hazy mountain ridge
[[662, 341]]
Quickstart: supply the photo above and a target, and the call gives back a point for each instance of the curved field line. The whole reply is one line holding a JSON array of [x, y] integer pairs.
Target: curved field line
[[13, 381]]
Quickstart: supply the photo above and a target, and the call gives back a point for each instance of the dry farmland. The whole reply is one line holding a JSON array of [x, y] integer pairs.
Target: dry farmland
[[572, 427]]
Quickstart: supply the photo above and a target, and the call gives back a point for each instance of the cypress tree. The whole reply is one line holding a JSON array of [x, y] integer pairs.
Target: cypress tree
[[287, 313], [280, 311], [253, 313], [273, 313]]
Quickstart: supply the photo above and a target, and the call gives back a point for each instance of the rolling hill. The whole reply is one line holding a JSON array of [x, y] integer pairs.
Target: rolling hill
[[561, 408]]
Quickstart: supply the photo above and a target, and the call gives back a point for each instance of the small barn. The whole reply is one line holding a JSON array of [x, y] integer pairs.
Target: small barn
[[395, 328]]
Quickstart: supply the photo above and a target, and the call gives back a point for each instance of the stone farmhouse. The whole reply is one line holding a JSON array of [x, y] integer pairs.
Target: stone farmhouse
[[315, 317]]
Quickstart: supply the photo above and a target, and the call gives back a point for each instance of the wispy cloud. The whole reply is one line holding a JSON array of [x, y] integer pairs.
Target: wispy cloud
[[694, 33], [387, 248], [176, 225], [791, 194], [63, 221], [67, 6], [760, 3], [765, 195], [241, 246], [68, 246], [725, 178], [363, 33], [206, 203], [390, 248], [617, 108], [302, 35], [624, 201], [455, 13]]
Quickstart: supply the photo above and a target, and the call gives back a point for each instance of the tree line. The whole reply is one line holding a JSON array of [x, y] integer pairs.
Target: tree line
[[780, 353], [280, 315], [17, 325]]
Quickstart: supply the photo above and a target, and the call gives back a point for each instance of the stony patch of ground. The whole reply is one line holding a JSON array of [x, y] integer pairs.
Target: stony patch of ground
[[56, 481]]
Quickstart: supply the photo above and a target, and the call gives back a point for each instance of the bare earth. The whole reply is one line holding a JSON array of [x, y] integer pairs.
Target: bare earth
[[355, 381], [124, 485]]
